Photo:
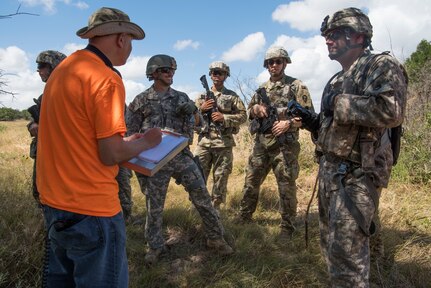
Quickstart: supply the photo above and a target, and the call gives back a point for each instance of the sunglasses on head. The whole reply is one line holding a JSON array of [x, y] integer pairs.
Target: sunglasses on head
[[217, 72], [276, 61], [335, 35], [166, 70]]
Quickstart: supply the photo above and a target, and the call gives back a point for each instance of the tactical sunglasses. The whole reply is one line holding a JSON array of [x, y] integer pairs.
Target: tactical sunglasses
[[217, 72], [276, 61], [335, 35], [166, 70], [42, 65]]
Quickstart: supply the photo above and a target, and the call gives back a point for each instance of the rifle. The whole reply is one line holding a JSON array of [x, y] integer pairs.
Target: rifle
[[310, 119], [35, 110], [266, 124], [210, 95]]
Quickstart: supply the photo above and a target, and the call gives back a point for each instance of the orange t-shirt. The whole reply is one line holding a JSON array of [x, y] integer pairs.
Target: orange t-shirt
[[83, 101]]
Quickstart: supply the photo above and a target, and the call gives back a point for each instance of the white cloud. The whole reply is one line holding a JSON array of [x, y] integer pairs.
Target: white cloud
[[247, 49], [69, 48], [49, 5], [133, 89], [81, 5], [183, 44], [20, 79], [399, 27], [135, 68], [308, 15], [13, 59]]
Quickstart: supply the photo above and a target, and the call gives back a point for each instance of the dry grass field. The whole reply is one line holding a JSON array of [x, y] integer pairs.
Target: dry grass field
[[260, 259]]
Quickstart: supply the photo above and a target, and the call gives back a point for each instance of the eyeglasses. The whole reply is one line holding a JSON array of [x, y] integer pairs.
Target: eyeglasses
[[276, 61], [166, 70], [217, 72], [335, 35], [42, 65]]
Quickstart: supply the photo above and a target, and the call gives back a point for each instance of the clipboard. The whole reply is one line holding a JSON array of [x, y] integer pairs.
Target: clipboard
[[150, 161]]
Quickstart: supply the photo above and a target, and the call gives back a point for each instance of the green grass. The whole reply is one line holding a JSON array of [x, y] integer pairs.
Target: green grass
[[260, 259]]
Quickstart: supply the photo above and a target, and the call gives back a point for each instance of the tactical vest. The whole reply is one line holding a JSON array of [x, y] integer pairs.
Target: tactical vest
[[352, 142], [159, 111]]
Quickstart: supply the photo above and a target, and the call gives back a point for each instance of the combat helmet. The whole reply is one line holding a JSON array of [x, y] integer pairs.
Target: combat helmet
[[51, 57], [276, 52], [160, 61], [352, 18], [219, 65]]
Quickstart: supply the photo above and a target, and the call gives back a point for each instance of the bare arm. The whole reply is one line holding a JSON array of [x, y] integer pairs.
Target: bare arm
[[116, 149]]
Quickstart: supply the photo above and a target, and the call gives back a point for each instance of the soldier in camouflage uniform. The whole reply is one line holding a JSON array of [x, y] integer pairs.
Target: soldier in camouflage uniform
[[215, 141], [161, 106], [125, 192], [359, 106], [268, 153], [46, 63]]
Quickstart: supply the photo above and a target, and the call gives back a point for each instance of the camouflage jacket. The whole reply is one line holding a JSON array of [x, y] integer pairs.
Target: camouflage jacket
[[234, 113], [280, 93], [151, 109], [35, 112], [371, 97]]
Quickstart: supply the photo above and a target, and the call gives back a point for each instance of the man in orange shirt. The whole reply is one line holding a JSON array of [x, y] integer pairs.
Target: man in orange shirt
[[81, 142]]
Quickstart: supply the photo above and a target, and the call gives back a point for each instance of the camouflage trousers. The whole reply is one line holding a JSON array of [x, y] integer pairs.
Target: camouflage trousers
[[220, 160], [125, 190], [284, 163], [345, 247], [186, 172]]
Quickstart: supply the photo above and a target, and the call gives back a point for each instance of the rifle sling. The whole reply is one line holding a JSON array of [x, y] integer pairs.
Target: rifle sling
[[351, 206]]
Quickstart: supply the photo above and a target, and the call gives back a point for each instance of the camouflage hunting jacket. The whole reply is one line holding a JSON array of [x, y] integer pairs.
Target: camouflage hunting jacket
[[371, 97], [280, 93], [152, 109], [234, 113]]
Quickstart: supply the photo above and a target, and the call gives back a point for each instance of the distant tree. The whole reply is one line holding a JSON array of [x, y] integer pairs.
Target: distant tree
[[419, 59], [9, 114]]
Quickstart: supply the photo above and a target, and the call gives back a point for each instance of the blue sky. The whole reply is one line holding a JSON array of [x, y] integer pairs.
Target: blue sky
[[199, 32]]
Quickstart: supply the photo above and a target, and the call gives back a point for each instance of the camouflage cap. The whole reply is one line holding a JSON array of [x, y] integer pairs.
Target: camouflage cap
[[276, 52], [219, 65], [351, 17], [52, 57], [107, 21]]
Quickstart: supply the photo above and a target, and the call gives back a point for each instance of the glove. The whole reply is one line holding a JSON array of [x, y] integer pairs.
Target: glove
[[328, 103], [187, 108]]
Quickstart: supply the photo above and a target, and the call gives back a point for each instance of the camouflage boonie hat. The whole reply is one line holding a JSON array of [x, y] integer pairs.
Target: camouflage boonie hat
[[107, 21], [351, 17], [219, 65], [276, 52], [160, 61], [51, 57]]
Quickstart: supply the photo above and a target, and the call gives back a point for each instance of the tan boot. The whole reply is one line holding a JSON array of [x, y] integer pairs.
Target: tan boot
[[220, 246], [152, 256]]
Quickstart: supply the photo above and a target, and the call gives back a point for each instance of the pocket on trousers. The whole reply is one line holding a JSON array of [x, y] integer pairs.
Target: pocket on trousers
[[83, 235]]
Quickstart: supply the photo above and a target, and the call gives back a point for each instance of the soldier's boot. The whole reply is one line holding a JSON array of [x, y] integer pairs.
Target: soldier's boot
[[153, 256], [220, 246], [377, 251]]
